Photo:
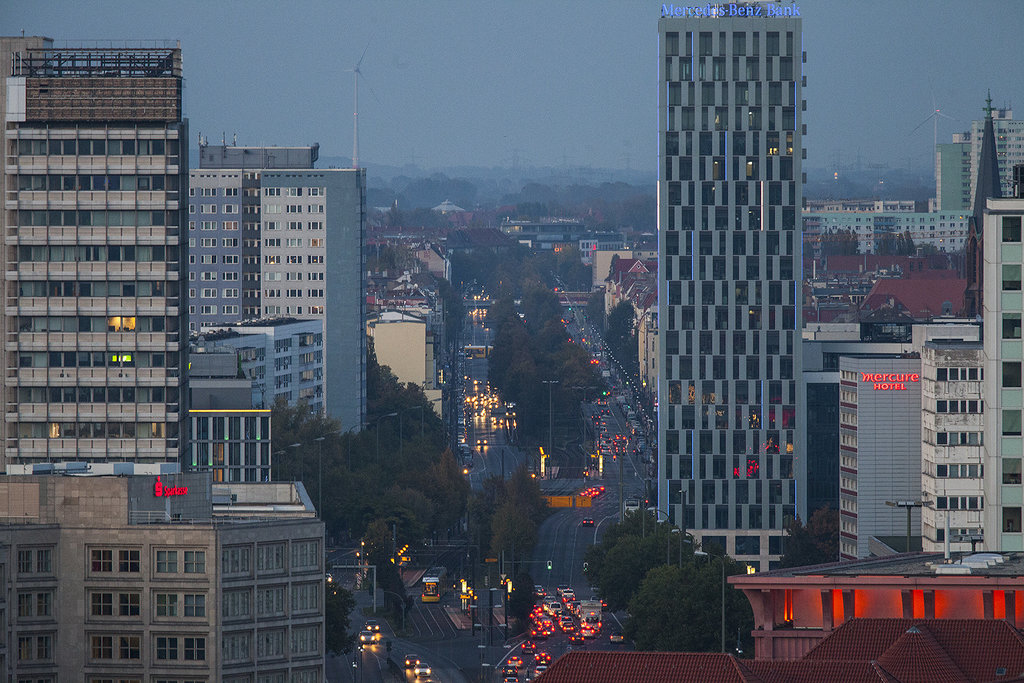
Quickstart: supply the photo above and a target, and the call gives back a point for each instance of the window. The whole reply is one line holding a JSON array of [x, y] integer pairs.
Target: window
[[236, 560], [1011, 277], [195, 561], [1011, 228], [128, 604], [195, 605], [1012, 374], [101, 604], [195, 649], [102, 560], [1011, 325], [167, 604], [102, 647], [128, 561], [166, 647], [44, 558], [1011, 422], [130, 647], [237, 603], [167, 561], [270, 557]]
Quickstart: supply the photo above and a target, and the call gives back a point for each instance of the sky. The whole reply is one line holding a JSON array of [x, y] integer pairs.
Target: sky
[[561, 83]]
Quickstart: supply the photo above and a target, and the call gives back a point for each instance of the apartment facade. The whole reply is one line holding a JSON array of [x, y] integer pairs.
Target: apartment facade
[[1004, 395], [301, 237], [94, 170], [284, 358], [730, 188], [952, 453], [141, 579]]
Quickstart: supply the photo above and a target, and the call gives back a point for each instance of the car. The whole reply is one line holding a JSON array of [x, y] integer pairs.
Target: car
[[515, 661], [587, 521], [542, 657], [421, 670], [539, 592], [541, 668], [411, 661], [371, 625], [368, 637], [528, 646], [615, 637]]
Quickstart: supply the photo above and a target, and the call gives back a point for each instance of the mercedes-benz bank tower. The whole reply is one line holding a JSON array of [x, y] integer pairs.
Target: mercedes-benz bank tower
[[729, 197]]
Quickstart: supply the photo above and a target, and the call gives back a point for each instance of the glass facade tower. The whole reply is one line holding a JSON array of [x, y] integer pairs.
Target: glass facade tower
[[730, 191]]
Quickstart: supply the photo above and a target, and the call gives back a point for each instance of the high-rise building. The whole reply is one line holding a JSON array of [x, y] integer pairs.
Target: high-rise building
[[730, 188], [1003, 387], [94, 164], [271, 237]]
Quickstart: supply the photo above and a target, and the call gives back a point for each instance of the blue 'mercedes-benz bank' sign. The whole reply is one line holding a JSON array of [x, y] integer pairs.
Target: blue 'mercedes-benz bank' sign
[[730, 10]]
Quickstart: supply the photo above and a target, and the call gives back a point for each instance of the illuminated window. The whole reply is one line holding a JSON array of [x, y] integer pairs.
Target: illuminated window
[[120, 323]]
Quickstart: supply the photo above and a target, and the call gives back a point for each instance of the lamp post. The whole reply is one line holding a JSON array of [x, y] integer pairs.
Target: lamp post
[[551, 418], [377, 424], [294, 445], [722, 561], [401, 440], [909, 505]]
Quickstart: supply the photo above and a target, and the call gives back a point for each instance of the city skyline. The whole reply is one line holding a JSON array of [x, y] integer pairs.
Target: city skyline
[[456, 83]]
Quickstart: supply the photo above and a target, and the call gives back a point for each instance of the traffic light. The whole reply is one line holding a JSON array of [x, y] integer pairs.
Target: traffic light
[[549, 565]]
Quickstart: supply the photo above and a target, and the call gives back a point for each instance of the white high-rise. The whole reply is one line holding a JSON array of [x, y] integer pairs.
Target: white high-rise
[[730, 188]]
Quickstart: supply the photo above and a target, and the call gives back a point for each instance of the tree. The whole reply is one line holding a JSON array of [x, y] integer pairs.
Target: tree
[[338, 604], [621, 334], [815, 543], [595, 309], [681, 609]]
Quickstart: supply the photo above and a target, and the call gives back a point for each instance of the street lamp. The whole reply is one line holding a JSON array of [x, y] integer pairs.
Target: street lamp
[[320, 472], [909, 505], [551, 418], [722, 560], [377, 423]]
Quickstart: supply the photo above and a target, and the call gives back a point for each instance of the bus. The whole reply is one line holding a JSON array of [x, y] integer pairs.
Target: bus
[[435, 584], [474, 351]]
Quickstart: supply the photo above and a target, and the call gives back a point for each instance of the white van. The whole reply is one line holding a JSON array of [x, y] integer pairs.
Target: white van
[[632, 505]]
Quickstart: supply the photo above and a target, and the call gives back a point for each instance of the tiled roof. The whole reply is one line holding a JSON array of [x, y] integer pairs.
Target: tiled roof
[[917, 656], [648, 667], [918, 297], [859, 651], [815, 672]]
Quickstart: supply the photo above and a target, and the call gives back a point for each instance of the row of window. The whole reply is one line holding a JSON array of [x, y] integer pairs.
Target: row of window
[[97, 253], [295, 259], [295, 191], [271, 643], [960, 471], [959, 407], [270, 557], [293, 208], [213, 225], [705, 44], [87, 288], [92, 323], [95, 147], [97, 430], [293, 293], [230, 428], [294, 225], [213, 293], [290, 276], [959, 374], [101, 218], [270, 600], [210, 309], [293, 243], [959, 502], [112, 182], [959, 438]]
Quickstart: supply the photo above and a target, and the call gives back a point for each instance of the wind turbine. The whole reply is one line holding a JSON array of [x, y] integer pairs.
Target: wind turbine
[[934, 118], [355, 108]]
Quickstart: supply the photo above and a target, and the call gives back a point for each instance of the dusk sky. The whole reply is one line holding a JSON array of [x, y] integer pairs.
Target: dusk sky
[[542, 82]]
